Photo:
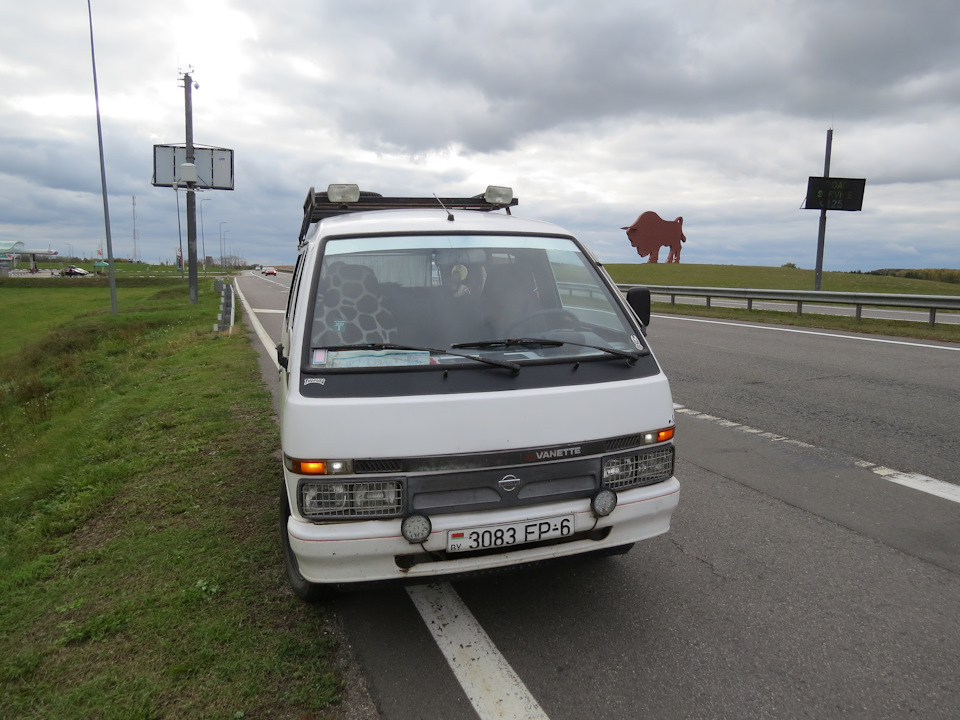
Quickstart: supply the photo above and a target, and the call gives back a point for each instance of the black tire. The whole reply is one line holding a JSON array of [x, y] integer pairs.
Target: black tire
[[302, 588]]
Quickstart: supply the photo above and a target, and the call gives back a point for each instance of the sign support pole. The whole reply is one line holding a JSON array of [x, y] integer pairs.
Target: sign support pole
[[191, 194], [821, 235]]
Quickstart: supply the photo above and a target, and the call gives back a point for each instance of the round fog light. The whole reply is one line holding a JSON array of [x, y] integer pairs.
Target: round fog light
[[416, 528], [604, 502]]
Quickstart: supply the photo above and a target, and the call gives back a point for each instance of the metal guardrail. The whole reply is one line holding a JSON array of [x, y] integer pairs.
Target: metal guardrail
[[226, 314], [572, 290], [932, 303]]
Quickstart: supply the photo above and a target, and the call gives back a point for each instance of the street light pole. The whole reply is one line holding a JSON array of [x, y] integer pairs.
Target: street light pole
[[222, 223], [103, 173]]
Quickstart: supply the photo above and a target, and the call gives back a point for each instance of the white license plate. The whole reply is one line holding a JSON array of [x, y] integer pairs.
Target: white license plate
[[502, 536]]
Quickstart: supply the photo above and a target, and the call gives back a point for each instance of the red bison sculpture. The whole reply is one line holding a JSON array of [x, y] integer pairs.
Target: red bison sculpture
[[651, 231]]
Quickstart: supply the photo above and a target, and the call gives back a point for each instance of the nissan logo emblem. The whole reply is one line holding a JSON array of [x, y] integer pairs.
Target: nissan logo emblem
[[509, 483]]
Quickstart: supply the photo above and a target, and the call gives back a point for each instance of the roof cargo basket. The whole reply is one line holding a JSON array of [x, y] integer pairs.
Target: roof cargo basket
[[345, 199]]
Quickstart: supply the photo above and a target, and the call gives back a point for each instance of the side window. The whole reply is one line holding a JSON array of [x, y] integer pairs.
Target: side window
[[294, 288]]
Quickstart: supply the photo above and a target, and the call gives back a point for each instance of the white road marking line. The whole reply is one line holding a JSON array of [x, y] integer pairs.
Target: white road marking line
[[813, 332], [492, 686], [737, 426], [945, 490], [929, 485], [257, 327]]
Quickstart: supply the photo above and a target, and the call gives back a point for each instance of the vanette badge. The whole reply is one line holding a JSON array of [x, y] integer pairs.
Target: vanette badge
[[553, 453], [509, 483]]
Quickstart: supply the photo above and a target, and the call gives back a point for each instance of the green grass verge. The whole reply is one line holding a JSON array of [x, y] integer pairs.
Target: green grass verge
[[140, 574], [790, 279], [29, 313]]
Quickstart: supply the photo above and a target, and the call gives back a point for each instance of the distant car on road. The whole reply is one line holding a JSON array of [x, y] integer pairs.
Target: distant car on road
[[269, 270], [73, 270]]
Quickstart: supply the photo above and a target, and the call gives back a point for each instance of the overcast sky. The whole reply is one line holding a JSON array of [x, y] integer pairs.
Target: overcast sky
[[592, 111]]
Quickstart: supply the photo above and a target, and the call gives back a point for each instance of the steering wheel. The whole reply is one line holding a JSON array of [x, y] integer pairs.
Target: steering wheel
[[559, 314]]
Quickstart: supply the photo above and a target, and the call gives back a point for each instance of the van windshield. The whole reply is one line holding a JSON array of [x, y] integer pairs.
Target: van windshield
[[446, 300]]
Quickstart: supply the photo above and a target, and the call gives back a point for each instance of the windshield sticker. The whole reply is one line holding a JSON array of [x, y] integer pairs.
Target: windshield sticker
[[377, 358], [636, 342], [319, 356]]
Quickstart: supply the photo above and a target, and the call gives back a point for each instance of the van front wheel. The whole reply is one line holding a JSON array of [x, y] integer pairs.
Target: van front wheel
[[302, 588]]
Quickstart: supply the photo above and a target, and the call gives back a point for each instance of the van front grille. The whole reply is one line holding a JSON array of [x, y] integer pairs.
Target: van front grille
[[509, 458], [364, 467]]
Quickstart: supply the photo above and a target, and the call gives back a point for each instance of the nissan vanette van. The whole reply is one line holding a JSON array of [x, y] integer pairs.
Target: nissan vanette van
[[462, 390]]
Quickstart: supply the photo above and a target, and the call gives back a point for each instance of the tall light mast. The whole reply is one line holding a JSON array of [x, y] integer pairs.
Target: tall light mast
[[136, 255]]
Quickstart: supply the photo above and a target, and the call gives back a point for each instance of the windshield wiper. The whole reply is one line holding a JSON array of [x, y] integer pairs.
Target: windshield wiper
[[632, 357], [433, 351], [509, 342]]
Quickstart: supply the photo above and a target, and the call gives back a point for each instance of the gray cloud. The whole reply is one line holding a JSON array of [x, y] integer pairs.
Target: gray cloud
[[596, 112]]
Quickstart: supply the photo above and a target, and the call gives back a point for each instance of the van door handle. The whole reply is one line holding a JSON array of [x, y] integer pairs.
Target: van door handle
[[281, 358]]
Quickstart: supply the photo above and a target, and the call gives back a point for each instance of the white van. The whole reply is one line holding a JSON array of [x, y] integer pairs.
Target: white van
[[462, 390]]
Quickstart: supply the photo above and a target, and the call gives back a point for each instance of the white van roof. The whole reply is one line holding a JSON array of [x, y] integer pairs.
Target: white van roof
[[430, 221]]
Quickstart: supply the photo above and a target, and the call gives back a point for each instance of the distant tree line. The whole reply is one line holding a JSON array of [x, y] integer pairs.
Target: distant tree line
[[935, 274]]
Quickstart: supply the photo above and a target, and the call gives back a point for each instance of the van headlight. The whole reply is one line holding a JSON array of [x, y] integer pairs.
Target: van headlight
[[349, 500], [643, 468]]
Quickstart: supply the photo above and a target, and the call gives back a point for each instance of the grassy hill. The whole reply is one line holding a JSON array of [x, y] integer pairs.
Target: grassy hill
[[769, 278]]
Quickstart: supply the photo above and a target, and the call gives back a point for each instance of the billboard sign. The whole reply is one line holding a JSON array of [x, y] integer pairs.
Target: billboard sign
[[214, 167]]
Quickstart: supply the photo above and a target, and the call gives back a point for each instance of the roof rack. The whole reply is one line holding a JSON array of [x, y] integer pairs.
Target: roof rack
[[345, 199]]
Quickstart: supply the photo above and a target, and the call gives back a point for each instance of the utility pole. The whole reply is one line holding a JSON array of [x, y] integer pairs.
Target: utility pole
[[821, 235], [188, 86], [170, 172]]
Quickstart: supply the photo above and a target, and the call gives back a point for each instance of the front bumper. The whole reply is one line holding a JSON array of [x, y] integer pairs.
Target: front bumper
[[373, 550]]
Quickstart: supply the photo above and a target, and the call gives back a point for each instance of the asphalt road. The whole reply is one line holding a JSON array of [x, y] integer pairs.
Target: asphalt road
[[797, 580], [887, 400]]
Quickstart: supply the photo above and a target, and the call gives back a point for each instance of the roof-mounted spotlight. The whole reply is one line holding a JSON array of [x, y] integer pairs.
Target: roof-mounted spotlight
[[343, 193], [496, 195]]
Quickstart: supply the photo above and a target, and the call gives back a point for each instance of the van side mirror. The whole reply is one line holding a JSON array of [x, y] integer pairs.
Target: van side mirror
[[638, 298]]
